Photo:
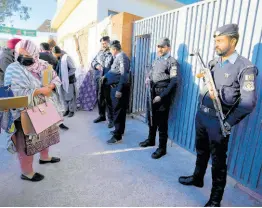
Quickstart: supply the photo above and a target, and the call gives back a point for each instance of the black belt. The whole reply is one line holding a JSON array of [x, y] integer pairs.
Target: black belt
[[209, 111], [159, 89]]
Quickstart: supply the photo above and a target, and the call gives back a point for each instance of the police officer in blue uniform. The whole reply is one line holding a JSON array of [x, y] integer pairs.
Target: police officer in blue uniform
[[163, 80], [102, 64], [234, 77], [117, 79]]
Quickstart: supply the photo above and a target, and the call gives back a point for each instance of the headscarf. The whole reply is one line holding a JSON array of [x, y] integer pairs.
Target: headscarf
[[32, 50], [39, 64], [12, 43]]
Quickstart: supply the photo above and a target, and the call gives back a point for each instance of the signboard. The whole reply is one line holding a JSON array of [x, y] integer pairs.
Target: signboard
[[16, 31]]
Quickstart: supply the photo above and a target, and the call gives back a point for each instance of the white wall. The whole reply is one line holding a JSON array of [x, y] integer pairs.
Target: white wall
[[94, 36], [84, 13], [143, 8]]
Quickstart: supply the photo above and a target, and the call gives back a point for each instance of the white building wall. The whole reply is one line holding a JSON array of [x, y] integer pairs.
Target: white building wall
[[94, 36], [84, 14], [143, 8]]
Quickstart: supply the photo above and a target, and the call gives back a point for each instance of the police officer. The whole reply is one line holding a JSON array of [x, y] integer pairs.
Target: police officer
[[117, 80], [163, 79], [102, 64], [234, 77]]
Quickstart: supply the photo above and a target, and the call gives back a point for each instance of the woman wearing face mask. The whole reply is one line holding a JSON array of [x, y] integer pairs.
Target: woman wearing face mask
[[24, 76]]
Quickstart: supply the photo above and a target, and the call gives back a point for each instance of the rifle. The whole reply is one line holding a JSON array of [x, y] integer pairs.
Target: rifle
[[205, 73], [149, 97]]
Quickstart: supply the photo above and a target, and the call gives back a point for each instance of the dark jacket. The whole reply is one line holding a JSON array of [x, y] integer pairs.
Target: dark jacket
[[47, 56], [6, 57]]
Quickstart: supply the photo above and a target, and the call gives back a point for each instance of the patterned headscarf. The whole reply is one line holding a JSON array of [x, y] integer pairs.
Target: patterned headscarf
[[33, 51], [39, 65]]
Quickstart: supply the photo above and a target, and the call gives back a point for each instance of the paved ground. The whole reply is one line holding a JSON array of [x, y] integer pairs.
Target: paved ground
[[92, 173]]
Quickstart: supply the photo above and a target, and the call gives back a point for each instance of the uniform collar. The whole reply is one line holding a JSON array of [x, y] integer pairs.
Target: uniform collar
[[118, 54], [231, 59], [165, 56]]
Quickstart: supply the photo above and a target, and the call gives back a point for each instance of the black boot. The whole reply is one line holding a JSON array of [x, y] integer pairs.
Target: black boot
[[66, 113], [110, 124], [99, 119], [218, 185], [191, 181], [160, 152], [71, 114], [147, 143], [114, 140]]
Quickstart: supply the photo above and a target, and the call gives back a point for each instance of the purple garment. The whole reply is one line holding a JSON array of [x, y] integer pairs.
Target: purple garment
[[87, 92]]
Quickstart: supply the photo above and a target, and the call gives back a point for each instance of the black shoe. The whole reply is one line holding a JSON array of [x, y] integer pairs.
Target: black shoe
[[111, 125], [99, 119], [147, 143], [71, 114], [53, 160], [62, 126], [37, 177], [160, 152], [114, 140], [191, 181], [66, 113], [113, 133], [211, 203]]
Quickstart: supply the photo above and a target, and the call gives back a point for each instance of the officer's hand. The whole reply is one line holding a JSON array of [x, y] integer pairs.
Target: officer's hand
[[211, 91], [227, 126], [118, 94], [99, 67], [157, 99], [147, 81]]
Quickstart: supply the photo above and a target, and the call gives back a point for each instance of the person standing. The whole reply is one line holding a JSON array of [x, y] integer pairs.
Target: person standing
[[116, 80], [162, 80], [102, 64], [66, 71], [235, 80], [46, 55], [25, 74], [7, 56]]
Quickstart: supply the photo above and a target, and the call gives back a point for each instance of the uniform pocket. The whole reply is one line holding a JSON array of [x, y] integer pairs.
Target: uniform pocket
[[229, 94]]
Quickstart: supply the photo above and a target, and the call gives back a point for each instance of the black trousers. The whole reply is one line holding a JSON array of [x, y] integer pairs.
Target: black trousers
[[101, 101], [160, 112], [210, 141], [119, 108]]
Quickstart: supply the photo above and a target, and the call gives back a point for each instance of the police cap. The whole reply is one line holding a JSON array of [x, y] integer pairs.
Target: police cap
[[228, 30], [163, 42]]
